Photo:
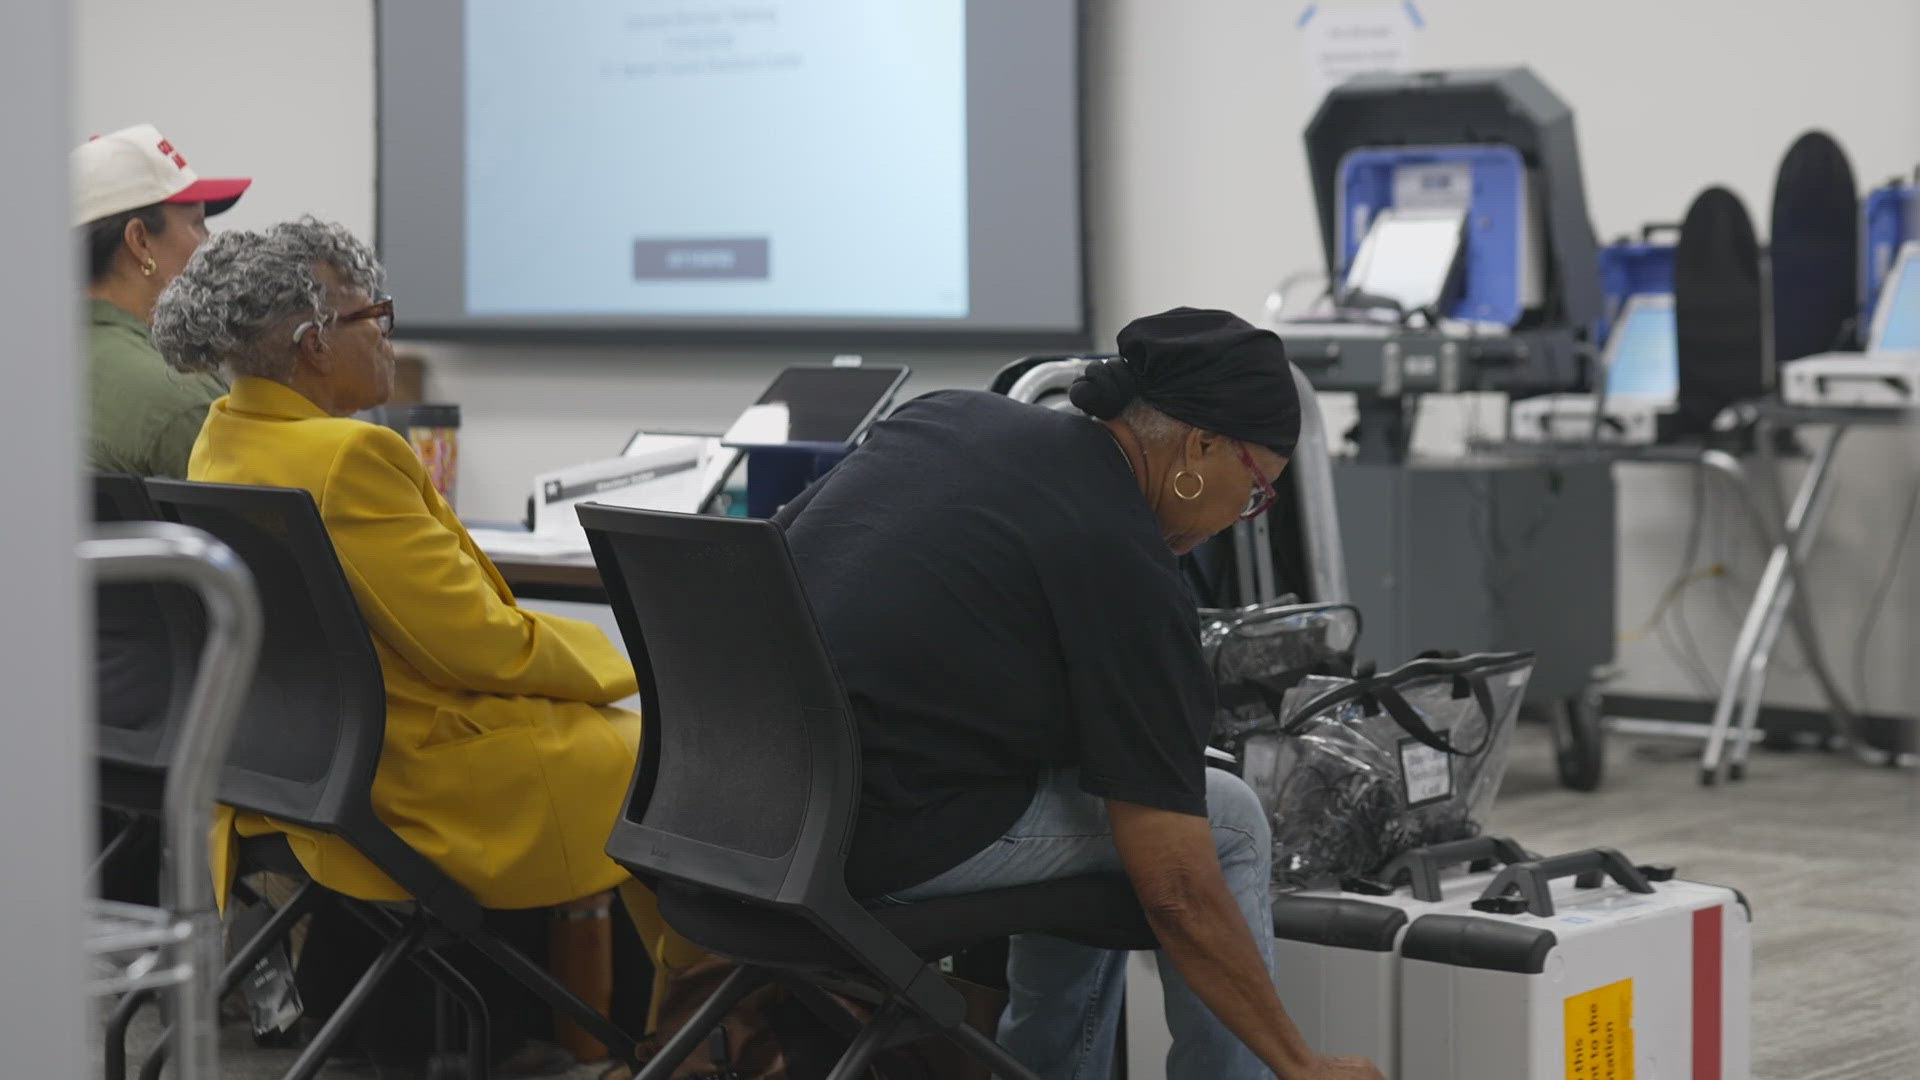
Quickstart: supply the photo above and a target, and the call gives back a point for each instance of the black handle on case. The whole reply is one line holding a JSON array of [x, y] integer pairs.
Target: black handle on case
[[1421, 867], [1648, 230], [1533, 880]]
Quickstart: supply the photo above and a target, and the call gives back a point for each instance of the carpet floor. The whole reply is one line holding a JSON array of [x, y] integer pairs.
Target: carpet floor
[[1826, 849]]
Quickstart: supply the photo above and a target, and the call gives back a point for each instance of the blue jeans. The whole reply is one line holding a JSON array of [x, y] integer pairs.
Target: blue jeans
[[1063, 1007]]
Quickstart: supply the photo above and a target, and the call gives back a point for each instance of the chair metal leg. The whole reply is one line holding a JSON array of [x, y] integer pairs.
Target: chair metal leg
[[479, 1022], [315, 1055], [446, 977], [976, 1042], [115, 1047], [272, 933], [871, 1040], [740, 982], [620, 1046], [120, 840], [276, 929], [150, 1068], [823, 1007]]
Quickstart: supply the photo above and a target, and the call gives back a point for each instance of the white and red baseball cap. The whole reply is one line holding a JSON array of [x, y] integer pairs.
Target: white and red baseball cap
[[136, 167]]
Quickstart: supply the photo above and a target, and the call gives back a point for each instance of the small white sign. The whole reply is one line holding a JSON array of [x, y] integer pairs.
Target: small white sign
[[1343, 38], [1428, 773]]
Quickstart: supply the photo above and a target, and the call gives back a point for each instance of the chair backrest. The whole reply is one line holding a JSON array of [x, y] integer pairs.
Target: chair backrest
[[1719, 311], [309, 736], [147, 646], [749, 770], [1813, 250]]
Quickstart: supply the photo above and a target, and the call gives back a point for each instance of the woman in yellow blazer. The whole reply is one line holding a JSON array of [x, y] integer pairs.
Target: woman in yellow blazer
[[504, 762]]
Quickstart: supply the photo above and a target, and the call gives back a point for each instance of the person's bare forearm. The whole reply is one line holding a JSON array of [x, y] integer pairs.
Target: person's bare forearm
[[1205, 935], [1207, 939]]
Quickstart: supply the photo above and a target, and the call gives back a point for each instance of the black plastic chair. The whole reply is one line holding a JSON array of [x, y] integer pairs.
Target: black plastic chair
[[306, 751], [743, 802], [147, 642]]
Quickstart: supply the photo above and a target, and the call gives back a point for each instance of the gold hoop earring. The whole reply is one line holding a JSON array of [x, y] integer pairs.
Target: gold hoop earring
[[1199, 481], [147, 268]]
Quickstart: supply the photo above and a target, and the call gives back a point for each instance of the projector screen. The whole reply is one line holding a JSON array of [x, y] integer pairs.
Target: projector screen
[[849, 170]]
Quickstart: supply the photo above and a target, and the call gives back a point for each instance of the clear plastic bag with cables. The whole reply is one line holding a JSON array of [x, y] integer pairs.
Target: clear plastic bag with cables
[[1361, 770], [1258, 652]]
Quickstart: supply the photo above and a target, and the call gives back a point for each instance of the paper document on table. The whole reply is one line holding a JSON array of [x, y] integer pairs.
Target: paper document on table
[[513, 543], [717, 460], [668, 477]]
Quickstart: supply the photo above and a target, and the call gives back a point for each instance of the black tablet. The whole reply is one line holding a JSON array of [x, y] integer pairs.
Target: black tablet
[[816, 408]]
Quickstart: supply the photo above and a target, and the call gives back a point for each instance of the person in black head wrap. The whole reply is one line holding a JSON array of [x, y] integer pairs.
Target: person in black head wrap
[[1206, 410], [998, 586]]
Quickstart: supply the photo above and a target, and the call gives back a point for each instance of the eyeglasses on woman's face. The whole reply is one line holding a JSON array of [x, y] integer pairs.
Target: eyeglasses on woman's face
[[1261, 497], [380, 311]]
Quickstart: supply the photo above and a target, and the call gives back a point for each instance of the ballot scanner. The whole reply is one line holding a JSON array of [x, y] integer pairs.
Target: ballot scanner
[[1887, 373], [1454, 228]]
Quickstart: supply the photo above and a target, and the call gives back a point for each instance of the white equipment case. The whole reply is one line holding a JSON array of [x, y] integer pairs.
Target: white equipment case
[[1336, 954], [1579, 977], [1429, 986]]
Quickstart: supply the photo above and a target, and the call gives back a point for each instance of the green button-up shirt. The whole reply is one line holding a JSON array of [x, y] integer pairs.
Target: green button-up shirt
[[145, 415]]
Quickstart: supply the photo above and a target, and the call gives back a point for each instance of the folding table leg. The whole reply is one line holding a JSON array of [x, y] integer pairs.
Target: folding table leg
[[1805, 533], [1754, 644], [1839, 711]]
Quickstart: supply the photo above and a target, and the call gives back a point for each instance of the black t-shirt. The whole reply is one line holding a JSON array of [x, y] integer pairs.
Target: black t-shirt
[[998, 600]]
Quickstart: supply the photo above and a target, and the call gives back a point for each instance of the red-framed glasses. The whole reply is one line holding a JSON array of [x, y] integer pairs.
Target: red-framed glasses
[[1262, 496]]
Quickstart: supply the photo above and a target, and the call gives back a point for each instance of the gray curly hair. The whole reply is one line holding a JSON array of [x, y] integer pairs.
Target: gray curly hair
[[239, 299]]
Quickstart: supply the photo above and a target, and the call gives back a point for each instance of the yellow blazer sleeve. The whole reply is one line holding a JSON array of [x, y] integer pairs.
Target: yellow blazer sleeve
[[424, 595]]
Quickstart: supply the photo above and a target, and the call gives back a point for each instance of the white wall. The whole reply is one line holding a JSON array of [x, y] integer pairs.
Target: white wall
[[45, 775], [1199, 195], [278, 90]]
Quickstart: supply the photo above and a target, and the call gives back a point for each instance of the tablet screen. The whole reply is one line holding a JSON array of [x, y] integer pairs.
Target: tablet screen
[[1643, 350], [1897, 327], [824, 406]]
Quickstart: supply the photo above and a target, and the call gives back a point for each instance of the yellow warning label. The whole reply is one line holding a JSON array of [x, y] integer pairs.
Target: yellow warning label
[[1600, 1033]]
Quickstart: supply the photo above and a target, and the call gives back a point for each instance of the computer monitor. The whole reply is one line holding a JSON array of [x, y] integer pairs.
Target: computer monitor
[[1643, 355], [1896, 319]]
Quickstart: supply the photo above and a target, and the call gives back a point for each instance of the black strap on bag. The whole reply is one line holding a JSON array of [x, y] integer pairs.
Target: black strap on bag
[[1381, 693]]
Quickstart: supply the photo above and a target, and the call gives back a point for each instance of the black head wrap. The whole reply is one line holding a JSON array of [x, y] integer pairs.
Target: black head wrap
[[1210, 369]]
